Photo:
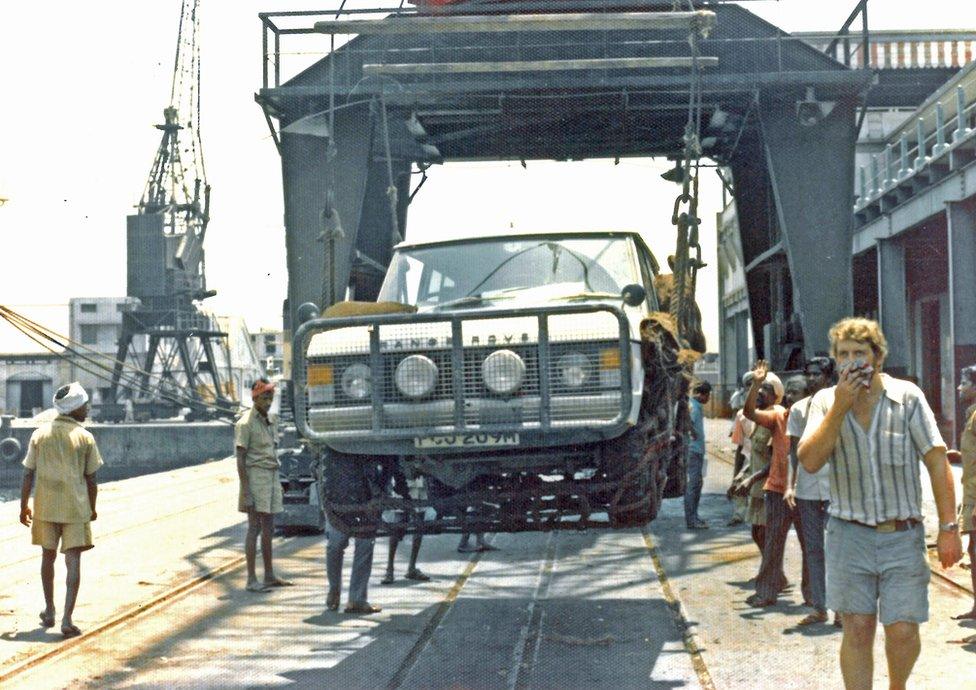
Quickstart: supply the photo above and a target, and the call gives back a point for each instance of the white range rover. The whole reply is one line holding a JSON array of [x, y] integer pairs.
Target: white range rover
[[511, 373]]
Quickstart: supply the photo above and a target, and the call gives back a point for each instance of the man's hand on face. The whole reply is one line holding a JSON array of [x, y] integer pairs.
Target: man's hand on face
[[848, 388], [26, 517], [950, 548]]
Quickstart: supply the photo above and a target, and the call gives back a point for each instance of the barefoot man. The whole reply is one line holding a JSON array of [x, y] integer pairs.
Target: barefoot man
[[255, 438], [63, 458]]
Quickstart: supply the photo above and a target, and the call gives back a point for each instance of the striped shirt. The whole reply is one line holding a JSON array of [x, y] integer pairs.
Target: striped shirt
[[875, 474]]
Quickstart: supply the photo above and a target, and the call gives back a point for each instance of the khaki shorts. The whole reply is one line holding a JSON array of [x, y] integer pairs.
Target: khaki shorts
[[265, 488], [72, 535], [756, 514], [965, 518]]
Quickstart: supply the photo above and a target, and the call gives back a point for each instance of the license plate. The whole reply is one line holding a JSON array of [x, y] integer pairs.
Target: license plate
[[466, 441]]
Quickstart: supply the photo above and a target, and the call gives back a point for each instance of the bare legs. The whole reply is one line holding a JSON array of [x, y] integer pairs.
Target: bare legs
[[48, 557], [902, 647], [72, 560], [263, 524], [857, 650], [971, 613]]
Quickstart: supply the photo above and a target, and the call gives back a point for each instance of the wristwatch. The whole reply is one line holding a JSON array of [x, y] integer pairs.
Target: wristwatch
[[948, 526]]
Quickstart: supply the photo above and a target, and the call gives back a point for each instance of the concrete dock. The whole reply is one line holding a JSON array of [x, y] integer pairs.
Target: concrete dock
[[162, 605]]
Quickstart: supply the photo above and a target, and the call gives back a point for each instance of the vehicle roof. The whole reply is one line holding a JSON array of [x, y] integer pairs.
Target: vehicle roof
[[539, 233]]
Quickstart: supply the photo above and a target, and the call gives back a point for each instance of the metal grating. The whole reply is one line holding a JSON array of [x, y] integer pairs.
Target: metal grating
[[460, 400]]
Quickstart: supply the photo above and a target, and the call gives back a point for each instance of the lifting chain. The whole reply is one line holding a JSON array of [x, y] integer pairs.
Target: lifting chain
[[684, 215]]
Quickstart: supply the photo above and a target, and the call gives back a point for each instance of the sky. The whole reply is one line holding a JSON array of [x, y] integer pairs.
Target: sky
[[83, 84]]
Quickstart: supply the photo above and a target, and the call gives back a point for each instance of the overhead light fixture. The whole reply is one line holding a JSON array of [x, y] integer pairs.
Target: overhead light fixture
[[675, 174]]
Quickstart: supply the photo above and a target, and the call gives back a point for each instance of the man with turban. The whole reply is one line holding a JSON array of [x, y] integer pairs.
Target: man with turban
[[61, 462], [255, 440]]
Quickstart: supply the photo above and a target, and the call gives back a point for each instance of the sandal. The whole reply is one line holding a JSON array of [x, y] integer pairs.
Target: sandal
[[47, 619], [814, 618], [417, 575], [70, 630]]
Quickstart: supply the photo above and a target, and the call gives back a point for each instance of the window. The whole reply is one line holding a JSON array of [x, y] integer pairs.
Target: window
[[89, 308], [89, 334]]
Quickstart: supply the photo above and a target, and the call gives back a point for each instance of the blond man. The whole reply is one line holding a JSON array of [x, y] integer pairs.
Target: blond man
[[255, 441], [874, 430], [61, 462]]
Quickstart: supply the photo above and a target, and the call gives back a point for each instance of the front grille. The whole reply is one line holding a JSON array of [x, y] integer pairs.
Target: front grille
[[544, 398]]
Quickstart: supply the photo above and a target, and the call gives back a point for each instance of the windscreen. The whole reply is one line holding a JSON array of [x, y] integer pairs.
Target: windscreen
[[428, 276]]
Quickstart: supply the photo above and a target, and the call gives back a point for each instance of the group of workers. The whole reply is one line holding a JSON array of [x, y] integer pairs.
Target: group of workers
[[836, 454]]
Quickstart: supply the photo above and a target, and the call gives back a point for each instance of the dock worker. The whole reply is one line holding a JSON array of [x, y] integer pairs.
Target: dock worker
[[696, 455], [873, 430], [809, 495], [779, 515], [967, 450], [61, 462], [255, 441], [741, 437]]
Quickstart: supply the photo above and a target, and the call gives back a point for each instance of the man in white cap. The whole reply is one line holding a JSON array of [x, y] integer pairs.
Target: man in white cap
[[63, 458]]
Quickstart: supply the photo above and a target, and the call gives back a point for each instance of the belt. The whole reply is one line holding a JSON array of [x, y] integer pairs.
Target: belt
[[889, 525]]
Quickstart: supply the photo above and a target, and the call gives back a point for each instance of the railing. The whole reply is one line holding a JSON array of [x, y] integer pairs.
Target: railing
[[911, 152], [898, 49]]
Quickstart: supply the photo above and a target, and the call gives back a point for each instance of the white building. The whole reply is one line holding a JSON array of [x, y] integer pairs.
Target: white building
[[28, 381], [270, 348], [96, 324]]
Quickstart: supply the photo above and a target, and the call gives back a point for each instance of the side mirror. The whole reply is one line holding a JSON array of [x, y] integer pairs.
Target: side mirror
[[633, 295], [307, 312]]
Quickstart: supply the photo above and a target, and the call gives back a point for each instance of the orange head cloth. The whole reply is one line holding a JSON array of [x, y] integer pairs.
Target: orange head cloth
[[261, 387]]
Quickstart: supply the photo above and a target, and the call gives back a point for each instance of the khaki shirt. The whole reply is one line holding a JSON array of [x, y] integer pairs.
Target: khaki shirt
[[258, 437], [967, 446], [61, 453], [760, 457]]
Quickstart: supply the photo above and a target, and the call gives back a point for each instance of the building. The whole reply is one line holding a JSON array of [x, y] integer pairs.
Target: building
[[94, 325], [28, 381], [244, 363], [269, 347]]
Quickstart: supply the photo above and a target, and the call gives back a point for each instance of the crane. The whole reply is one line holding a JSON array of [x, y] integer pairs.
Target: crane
[[165, 334]]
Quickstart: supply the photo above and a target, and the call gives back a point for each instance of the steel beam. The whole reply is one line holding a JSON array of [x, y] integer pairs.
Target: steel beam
[[893, 304], [701, 20], [308, 187], [421, 68], [812, 174]]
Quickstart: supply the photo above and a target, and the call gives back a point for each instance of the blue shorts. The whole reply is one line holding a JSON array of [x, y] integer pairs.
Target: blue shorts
[[884, 574]]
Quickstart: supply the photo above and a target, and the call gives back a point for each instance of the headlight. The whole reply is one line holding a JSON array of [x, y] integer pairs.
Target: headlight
[[356, 381], [416, 376], [574, 369], [503, 372]]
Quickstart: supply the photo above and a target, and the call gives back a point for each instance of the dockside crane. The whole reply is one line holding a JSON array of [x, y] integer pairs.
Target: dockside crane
[[177, 347]]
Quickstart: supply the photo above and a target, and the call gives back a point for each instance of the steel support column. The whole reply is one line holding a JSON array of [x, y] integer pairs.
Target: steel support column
[[961, 242], [377, 233], [307, 185], [812, 174], [893, 304]]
